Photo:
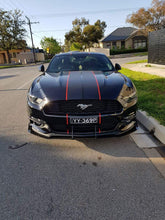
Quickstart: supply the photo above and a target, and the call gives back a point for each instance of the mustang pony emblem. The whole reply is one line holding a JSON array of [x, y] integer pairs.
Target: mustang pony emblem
[[84, 106]]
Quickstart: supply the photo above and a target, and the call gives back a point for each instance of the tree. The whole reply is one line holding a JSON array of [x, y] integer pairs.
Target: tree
[[50, 44], [76, 46], [76, 34], [12, 31], [93, 33], [84, 33], [151, 19]]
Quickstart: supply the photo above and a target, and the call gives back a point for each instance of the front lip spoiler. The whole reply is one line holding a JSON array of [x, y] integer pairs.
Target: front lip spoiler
[[36, 129]]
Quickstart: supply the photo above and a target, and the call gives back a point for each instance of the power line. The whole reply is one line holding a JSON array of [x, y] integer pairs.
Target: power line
[[3, 6], [9, 6], [26, 11], [62, 30], [36, 35], [18, 5], [22, 7], [84, 12], [13, 5], [42, 31]]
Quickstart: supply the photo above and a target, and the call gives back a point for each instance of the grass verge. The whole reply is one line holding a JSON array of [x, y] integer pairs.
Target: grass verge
[[12, 66], [151, 93], [142, 54], [138, 61]]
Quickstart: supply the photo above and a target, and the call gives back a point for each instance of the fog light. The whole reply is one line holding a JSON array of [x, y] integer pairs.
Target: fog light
[[129, 126], [38, 121], [130, 117]]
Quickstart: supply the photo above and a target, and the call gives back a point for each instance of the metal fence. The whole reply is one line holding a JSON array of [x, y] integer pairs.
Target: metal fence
[[156, 47]]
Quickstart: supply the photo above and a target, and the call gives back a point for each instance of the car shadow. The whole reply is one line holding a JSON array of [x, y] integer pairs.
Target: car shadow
[[9, 76], [112, 146], [8, 90], [118, 146]]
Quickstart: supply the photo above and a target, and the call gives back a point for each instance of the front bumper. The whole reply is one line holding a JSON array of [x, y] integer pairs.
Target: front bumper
[[36, 129], [59, 125]]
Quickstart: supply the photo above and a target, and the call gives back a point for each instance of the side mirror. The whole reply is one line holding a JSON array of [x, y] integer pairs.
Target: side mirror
[[42, 68], [117, 67]]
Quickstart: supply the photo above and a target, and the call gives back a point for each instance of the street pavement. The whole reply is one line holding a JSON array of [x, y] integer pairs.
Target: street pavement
[[153, 69], [59, 178], [125, 60]]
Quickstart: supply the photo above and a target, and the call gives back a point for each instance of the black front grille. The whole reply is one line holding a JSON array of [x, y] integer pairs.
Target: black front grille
[[58, 124], [72, 107], [108, 123], [84, 128]]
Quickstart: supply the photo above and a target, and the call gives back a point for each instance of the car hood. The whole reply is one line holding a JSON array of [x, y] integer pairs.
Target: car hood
[[81, 85]]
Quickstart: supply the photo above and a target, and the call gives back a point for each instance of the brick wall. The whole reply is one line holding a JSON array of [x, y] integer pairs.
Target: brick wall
[[156, 47]]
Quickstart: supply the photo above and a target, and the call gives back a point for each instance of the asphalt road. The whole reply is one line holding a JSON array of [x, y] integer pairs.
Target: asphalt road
[[122, 61], [105, 178]]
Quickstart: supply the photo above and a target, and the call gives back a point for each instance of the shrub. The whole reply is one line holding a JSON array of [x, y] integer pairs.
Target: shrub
[[123, 50]]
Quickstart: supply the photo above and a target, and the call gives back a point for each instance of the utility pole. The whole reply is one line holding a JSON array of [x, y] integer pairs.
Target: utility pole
[[31, 34]]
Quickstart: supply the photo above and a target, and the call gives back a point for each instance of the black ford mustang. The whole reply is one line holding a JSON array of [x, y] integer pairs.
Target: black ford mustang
[[81, 94]]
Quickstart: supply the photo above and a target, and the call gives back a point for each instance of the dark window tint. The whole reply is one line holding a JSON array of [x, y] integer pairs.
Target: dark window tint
[[80, 62]]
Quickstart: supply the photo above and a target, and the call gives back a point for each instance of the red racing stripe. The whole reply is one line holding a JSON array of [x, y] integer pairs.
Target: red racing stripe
[[67, 119], [66, 97], [98, 87], [99, 118]]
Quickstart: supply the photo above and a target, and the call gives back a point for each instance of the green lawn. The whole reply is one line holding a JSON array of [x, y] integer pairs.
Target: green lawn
[[151, 93], [142, 54], [4, 67], [138, 61]]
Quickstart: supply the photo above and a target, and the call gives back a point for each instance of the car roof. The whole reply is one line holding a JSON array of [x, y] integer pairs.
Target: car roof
[[78, 52]]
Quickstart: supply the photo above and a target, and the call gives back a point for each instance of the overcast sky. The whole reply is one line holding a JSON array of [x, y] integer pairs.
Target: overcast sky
[[56, 16]]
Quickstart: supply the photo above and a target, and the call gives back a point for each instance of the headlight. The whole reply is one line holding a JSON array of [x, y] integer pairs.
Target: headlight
[[39, 101], [127, 96], [34, 99]]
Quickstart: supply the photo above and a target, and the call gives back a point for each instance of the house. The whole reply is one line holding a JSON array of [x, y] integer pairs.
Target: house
[[12, 53], [22, 55], [125, 37], [28, 57]]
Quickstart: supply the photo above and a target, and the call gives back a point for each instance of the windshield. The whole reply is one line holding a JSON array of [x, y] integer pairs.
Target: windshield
[[80, 62]]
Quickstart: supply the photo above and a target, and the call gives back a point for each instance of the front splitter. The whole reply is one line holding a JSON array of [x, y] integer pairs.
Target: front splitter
[[32, 128]]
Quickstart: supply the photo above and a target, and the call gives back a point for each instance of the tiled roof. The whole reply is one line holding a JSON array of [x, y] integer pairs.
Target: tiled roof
[[119, 34]]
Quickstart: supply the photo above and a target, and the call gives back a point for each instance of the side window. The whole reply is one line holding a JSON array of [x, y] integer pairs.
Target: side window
[[54, 65]]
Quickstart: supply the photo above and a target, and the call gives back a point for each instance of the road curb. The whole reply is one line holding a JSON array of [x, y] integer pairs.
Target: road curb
[[152, 125]]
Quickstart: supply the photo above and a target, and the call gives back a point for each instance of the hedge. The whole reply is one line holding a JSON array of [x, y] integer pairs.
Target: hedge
[[122, 51]]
